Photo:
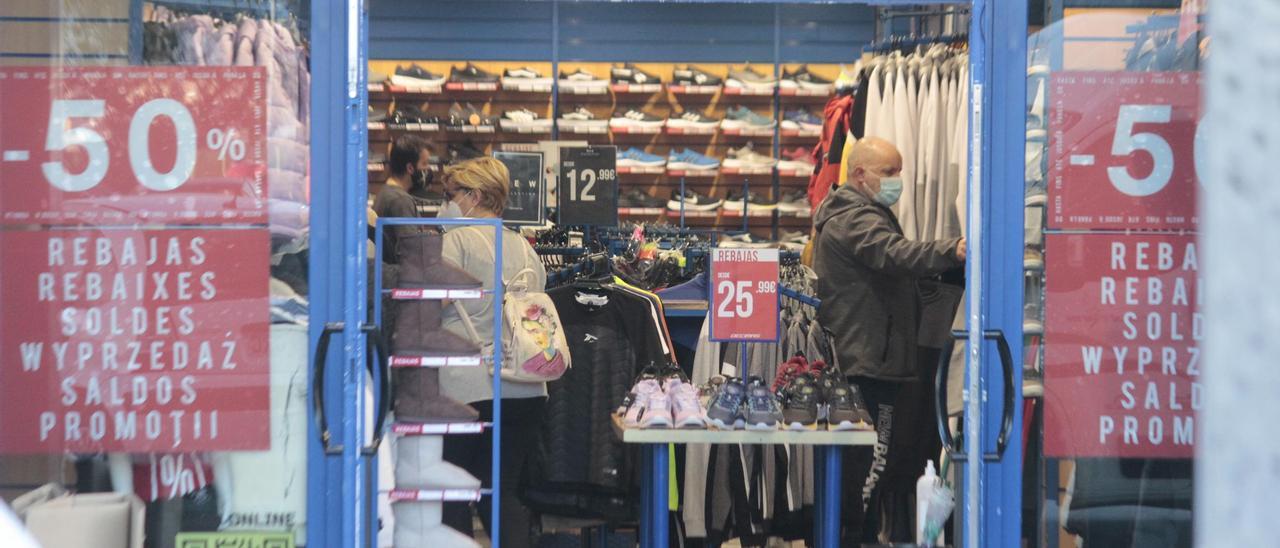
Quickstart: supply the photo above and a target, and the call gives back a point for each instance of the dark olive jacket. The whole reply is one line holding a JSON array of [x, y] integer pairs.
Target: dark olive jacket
[[867, 274]]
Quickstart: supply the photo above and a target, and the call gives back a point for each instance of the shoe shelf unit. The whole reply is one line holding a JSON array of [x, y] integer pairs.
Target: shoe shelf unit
[[429, 493], [551, 98]]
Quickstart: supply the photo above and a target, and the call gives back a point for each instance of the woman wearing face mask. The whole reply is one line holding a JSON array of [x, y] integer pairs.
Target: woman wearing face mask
[[867, 281], [478, 188]]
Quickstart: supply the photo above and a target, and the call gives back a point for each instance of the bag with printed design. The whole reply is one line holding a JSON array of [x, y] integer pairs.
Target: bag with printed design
[[534, 348]]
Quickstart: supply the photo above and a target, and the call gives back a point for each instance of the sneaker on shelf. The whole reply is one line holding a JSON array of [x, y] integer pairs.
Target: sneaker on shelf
[[787, 372], [691, 119], [724, 411], [793, 241], [694, 76], [581, 118], [634, 157], [753, 201], [1032, 259], [470, 73], [746, 77], [741, 117], [464, 151], [801, 167], [581, 79], [692, 201], [416, 76], [376, 117], [799, 154], [468, 115], [630, 74], [635, 118], [846, 410], [800, 408], [657, 413], [691, 161], [747, 158], [804, 79], [525, 75], [846, 81], [632, 406], [686, 410], [744, 241], [524, 118], [795, 202], [763, 411], [801, 119], [708, 391], [636, 198]]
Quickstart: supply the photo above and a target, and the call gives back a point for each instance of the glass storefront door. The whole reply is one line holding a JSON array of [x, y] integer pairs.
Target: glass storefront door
[[1112, 324], [154, 254]]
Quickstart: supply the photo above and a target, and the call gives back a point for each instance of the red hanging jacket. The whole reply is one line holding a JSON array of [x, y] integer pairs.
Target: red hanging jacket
[[826, 155]]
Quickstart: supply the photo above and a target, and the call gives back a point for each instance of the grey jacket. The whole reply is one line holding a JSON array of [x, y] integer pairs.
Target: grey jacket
[[867, 274]]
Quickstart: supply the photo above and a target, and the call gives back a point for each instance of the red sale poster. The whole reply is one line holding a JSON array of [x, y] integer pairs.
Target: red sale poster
[[1122, 345], [1122, 150], [744, 295], [121, 145], [134, 340]]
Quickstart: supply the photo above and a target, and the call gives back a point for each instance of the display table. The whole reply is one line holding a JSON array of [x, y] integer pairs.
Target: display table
[[654, 467]]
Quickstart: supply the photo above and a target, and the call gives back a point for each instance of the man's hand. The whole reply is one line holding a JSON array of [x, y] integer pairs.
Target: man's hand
[[961, 250]]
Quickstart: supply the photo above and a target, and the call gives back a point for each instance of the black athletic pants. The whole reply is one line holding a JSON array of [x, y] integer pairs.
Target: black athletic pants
[[862, 467]]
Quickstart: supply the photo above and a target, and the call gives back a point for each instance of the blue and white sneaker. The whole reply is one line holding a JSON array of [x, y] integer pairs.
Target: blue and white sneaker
[[690, 160], [801, 119], [741, 117], [634, 157]]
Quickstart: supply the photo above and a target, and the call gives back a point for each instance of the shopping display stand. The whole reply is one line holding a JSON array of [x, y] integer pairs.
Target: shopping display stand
[[655, 463], [431, 429]]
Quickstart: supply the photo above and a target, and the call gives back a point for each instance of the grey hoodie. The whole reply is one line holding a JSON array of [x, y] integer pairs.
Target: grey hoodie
[[867, 274]]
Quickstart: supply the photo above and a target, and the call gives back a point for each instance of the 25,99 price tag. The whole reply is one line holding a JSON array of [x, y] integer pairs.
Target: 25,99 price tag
[[122, 145], [744, 295]]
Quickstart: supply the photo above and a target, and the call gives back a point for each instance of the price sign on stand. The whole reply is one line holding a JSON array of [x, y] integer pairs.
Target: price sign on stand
[[527, 196], [122, 145], [1124, 150], [744, 295], [588, 190]]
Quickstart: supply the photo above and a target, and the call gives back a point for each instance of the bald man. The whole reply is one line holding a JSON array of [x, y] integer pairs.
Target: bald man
[[867, 274]]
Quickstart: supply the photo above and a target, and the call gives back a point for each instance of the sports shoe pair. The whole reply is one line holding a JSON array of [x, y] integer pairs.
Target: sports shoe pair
[[815, 393], [749, 405], [662, 400]]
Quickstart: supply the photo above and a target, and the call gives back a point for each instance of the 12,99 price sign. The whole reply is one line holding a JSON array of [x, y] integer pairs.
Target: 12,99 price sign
[[122, 145], [588, 187], [1124, 150], [744, 295]]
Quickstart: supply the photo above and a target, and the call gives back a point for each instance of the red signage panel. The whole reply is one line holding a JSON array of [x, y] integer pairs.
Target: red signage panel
[[121, 145], [1122, 345], [744, 295], [1123, 150], [134, 340]]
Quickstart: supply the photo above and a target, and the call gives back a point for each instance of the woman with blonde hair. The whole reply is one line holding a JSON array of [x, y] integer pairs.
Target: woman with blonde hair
[[478, 188]]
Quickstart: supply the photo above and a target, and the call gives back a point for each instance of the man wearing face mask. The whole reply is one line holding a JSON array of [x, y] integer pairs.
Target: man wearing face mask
[[410, 166], [867, 272]]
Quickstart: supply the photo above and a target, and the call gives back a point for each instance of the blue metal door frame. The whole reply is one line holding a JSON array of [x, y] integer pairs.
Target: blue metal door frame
[[339, 494], [339, 513]]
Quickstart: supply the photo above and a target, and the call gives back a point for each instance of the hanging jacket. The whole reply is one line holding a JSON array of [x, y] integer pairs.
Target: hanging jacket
[[826, 155], [867, 274]]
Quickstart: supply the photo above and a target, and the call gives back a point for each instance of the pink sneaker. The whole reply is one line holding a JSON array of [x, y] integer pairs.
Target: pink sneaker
[[686, 408], [657, 413], [633, 405]]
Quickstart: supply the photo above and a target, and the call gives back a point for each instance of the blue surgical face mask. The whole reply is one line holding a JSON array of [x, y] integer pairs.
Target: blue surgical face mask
[[890, 191]]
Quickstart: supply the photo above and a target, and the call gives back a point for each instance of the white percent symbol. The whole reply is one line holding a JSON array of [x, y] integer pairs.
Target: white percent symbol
[[225, 142]]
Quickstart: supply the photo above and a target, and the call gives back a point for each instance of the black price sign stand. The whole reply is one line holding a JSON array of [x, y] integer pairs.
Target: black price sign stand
[[527, 196], [588, 187]]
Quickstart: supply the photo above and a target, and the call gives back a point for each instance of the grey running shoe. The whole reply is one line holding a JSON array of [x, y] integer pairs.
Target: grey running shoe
[[745, 77], [800, 412], [725, 409], [763, 411]]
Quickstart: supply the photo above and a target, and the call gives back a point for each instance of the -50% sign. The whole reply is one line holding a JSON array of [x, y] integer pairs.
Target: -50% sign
[[744, 295], [107, 144]]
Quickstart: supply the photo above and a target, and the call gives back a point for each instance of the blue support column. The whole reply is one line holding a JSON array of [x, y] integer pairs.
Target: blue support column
[[644, 533], [827, 522], [658, 493]]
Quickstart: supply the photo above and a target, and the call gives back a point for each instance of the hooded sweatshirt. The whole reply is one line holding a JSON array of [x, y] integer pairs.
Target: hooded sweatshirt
[[867, 274]]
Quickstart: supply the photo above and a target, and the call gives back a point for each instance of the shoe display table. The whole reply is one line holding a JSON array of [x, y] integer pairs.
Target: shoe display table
[[655, 466]]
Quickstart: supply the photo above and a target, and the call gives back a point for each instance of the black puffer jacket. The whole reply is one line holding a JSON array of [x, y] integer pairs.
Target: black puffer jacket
[[867, 272], [583, 469]]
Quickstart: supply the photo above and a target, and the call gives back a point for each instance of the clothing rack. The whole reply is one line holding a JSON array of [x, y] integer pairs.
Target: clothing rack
[[896, 43], [798, 296]]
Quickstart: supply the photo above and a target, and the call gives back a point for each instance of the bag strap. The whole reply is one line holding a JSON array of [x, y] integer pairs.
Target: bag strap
[[493, 259]]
